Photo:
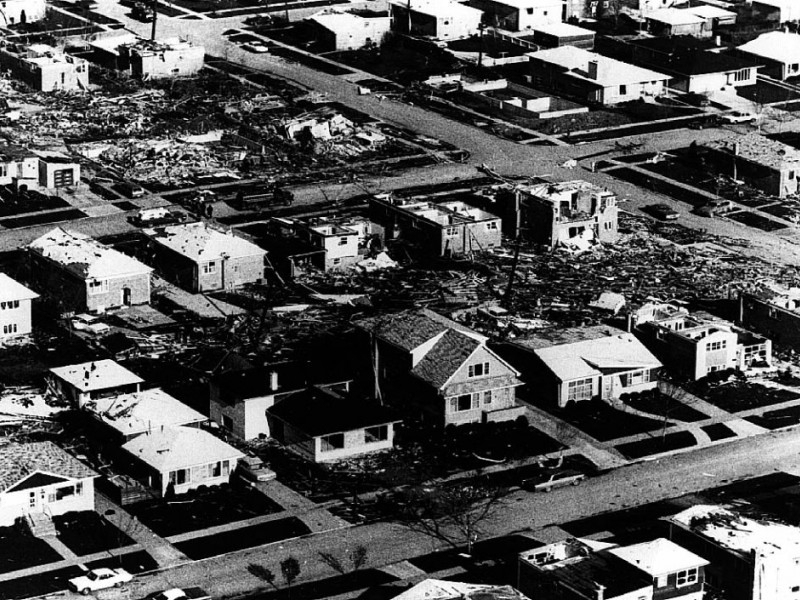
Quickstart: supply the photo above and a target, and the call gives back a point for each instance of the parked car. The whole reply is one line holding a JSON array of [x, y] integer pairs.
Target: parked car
[[738, 116], [192, 593], [663, 212], [547, 481], [254, 469], [154, 217], [99, 579], [714, 207], [256, 46], [131, 190], [86, 322]]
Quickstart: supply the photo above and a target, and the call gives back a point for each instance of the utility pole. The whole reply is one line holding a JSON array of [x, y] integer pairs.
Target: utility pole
[[481, 27], [155, 18]]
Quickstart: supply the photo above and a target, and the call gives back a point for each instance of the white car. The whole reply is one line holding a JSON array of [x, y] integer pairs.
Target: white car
[[99, 579], [82, 321], [257, 46], [738, 117]]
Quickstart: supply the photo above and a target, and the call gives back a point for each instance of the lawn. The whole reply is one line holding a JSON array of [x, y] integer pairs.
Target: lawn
[[57, 216], [132, 562], [247, 537], [755, 220], [775, 419], [200, 509], [39, 584], [656, 445], [737, 394], [20, 551], [87, 532], [718, 431], [657, 403], [603, 422]]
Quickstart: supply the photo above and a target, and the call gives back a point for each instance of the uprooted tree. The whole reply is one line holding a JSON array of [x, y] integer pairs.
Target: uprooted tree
[[455, 514]]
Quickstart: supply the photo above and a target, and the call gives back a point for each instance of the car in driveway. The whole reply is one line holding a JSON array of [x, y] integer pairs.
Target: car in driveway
[[713, 208], [189, 593], [738, 116], [253, 468], [663, 212], [99, 579]]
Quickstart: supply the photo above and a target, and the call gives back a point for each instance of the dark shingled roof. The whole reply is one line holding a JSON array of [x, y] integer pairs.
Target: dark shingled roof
[[252, 383], [446, 356], [410, 328], [320, 410], [19, 461], [603, 568]]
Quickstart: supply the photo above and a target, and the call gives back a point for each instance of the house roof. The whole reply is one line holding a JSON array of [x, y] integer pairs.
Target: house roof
[[96, 375], [11, 153], [610, 72], [138, 412], [674, 16], [11, 289], [564, 30], [444, 359], [699, 62], [659, 557], [412, 328], [739, 533], [710, 12], [759, 149], [174, 448], [342, 21], [779, 46], [523, 4], [437, 589], [242, 384], [201, 243], [591, 357], [321, 410], [20, 461], [439, 8], [617, 576], [84, 256]]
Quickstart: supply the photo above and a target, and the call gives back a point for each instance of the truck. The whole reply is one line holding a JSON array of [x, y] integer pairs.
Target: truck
[[190, 593], [252, 199], [548, 480]]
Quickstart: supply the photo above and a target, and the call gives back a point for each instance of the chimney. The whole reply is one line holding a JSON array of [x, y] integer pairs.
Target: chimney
[[736, 148], [601, 591], [717, 41], [273, 380], [593, 65]]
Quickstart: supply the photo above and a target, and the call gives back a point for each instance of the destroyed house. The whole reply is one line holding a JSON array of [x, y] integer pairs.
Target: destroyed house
[[773, 311], [778, 51], [769, 165], [81, 383], [779, 11], [326, 423], [591, 77], [23, 11], [570, 212], [691, 63], [239, 398], [199, 258], [320, 124], [122, 417], [580, 570], [336, 29], [437, 19], [18, 165], [82, 274], [441, 589], [175, 460], [149, 59], [446, 229], [676, 21], [39, 480], [695, 346], [574, 365], [752, 556], [520, 15], [339, 244], [44, 68], [427, 364], [15, 308], [715, 16]]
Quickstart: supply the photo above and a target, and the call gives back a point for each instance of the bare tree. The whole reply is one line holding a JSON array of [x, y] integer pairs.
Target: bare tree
[[358, 557], [332, 561], [290, 569], [261, 572], [454, 514]]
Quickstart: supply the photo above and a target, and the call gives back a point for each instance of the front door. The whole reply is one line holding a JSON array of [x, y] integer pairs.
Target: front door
[[126, 296], [607, 387]]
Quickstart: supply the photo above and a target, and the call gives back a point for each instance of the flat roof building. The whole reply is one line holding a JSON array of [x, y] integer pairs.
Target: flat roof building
[[437, 19]]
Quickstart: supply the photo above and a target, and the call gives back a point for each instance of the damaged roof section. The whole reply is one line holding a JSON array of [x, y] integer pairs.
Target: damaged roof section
[[201, 243], [84, 256]]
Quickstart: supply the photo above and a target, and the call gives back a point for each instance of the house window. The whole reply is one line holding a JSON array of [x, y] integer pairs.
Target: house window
[[12, 328], [492, 225], [215, 469], [226, 468], [209, 268], [478, 370], [580, 389], [3, 170], [65, 492], [464, 402], [337, 261], [334, 441], [721, 345], [636, 378], [687, 577], [180, 477], [451, 231], [530, 11], [98, 286], [227, 422], [623, 90], [32, 499], [342, 241], [742, 75], [376, 434], [79, 488], [661, 581], [796, 588], [791, 174], [487, 397]]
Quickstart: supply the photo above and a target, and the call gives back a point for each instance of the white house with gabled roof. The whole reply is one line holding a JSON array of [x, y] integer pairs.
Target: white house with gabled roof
[[179, 459], [778, 51], [15, 308]]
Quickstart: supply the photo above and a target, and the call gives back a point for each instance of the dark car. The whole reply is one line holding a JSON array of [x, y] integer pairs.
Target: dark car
[[663, 212]]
